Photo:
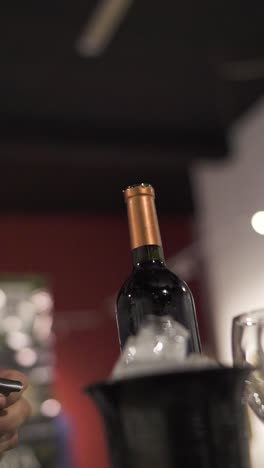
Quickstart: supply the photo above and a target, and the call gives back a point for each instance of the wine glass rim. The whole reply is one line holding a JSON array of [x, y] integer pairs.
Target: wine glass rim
[[250, 318]]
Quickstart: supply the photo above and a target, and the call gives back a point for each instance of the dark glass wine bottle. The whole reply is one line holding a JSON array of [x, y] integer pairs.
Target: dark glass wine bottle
[[151, 289]]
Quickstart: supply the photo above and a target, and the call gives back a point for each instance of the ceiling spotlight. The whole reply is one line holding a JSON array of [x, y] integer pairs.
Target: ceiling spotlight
[[17, 340], [50, 408], [102, 26], [26, 357], [257, 222], [42, 300]]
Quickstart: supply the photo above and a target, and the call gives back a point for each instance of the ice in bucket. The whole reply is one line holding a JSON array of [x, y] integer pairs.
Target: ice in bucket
[[160, 346]]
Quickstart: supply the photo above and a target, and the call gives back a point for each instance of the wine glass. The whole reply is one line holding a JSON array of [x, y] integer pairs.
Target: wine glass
[[248, 351]]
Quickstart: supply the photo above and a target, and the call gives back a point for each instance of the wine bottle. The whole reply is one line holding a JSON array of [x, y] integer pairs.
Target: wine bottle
[[151, 289]]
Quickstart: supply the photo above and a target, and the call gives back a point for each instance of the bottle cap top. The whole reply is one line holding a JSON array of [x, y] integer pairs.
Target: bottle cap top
[[138, 189]]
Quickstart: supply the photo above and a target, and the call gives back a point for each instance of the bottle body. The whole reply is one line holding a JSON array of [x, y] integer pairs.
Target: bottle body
[[152, 289]]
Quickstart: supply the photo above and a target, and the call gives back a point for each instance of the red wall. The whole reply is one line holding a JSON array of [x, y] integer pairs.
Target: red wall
[[86, 259]]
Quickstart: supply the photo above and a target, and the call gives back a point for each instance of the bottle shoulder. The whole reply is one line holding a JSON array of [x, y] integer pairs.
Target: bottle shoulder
[[152, 277]]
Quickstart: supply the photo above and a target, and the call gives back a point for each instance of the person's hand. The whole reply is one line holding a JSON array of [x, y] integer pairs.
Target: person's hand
[[14, 411]]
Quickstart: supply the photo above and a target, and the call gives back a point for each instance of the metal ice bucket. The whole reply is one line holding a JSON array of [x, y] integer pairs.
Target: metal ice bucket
[[187, 419]]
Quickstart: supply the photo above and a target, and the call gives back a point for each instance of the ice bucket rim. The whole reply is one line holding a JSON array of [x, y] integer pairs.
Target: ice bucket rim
[[184, 375]]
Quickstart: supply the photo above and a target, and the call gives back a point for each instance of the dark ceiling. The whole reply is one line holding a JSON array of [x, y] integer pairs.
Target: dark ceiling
[[162, 94]]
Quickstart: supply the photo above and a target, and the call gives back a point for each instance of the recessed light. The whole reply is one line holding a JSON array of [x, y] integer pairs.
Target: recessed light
[[102, 26], [257, 222]]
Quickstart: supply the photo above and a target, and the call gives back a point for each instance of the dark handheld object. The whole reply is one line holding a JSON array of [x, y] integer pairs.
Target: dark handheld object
[[8, 386], [185, 419]]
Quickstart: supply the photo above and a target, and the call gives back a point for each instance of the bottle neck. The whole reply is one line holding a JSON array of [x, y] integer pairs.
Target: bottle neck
[[148, 254]]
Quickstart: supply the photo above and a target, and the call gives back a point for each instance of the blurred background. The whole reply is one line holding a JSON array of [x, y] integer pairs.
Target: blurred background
[[94, 96]]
